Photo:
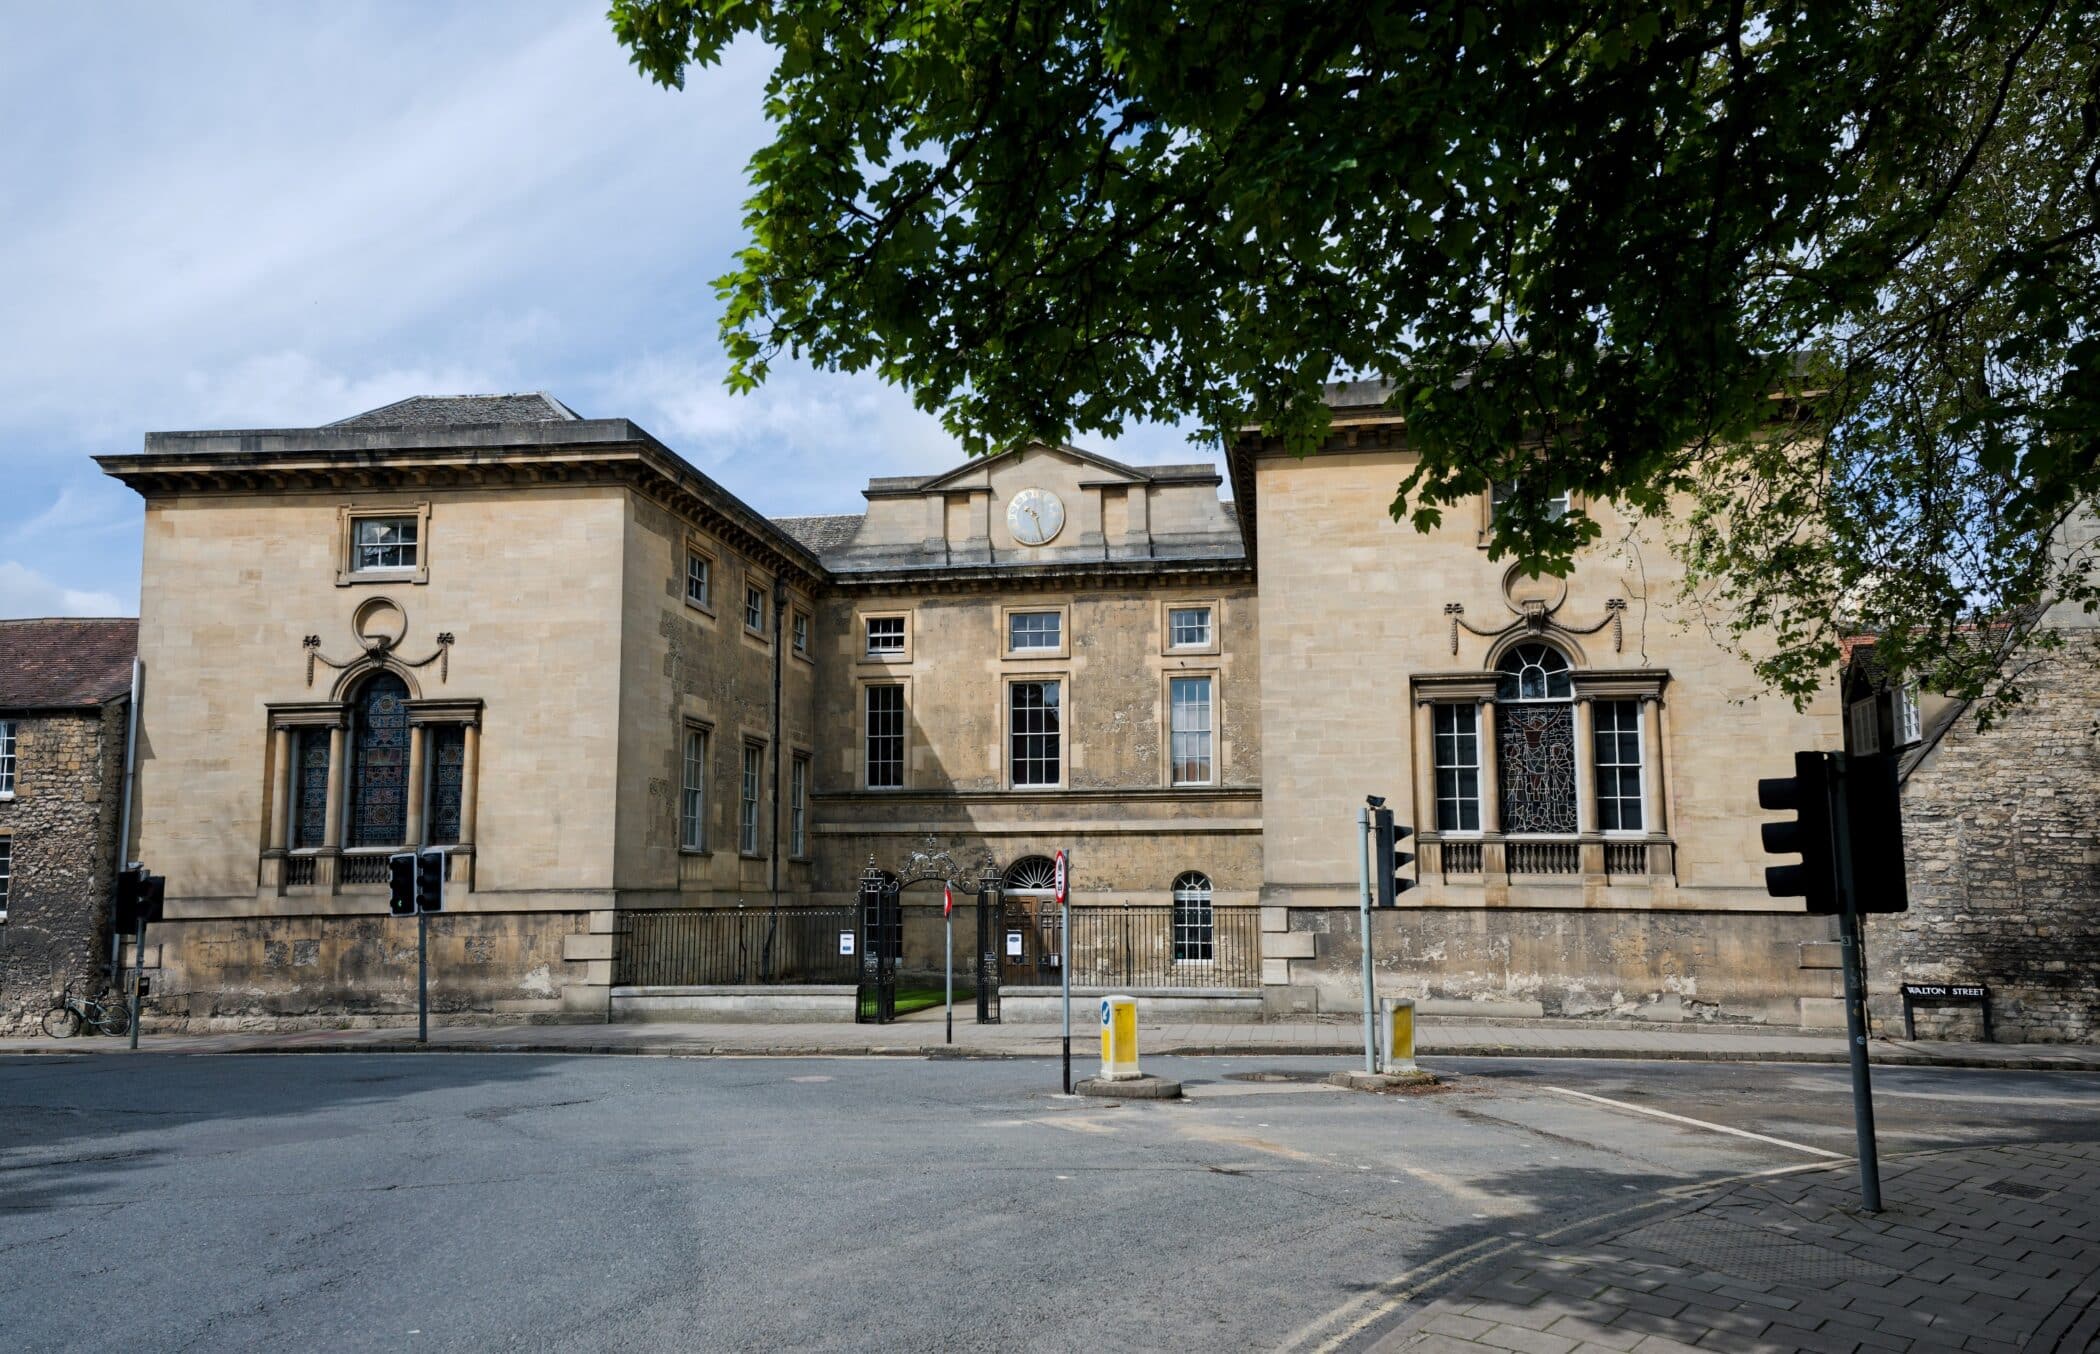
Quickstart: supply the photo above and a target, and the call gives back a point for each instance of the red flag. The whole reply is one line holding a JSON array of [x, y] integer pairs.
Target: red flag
[[947, 901]]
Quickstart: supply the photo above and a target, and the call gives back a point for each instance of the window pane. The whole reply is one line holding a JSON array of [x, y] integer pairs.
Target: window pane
[[801, 633], [1195, 935], [692, 801], [885, 763], [755, 609], [1188, 625], [7, 756], [1035, 630], [1189, 734], [447, 755], [379, 765], [754, 762], [384, 542], [1036, 733], [311, 796], [1618, 754], [885, 634], [798, 808], [699, 580], [1457, 753]]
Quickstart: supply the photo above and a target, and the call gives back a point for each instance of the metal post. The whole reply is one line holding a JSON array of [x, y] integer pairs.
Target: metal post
[[422, 977], [138, 974], [951, 969], [1850, 950], [1363, 900], [1064, 965]]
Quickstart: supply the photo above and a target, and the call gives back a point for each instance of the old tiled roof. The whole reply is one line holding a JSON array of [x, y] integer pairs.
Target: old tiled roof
[[449, 411], [64, 663], [821, 533]]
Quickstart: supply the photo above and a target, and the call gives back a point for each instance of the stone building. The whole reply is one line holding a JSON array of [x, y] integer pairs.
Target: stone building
[[2001, 847], [612, 689], [65, 695]]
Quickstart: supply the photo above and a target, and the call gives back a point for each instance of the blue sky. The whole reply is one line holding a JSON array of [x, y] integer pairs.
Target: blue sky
[[225, 216]]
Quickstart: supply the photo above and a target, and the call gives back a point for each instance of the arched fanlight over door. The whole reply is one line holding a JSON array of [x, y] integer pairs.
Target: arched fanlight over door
[[1195, 933], [1032, 874]]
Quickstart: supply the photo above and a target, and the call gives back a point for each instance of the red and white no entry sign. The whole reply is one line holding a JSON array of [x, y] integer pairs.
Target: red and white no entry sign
[[1059, 878]]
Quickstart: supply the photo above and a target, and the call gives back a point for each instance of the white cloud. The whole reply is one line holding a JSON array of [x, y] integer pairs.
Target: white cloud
[[293, 390], [25, 592]]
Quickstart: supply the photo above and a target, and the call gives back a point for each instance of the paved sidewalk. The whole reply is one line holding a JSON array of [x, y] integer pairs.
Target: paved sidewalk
[[922, 1035], [1989, 1248]]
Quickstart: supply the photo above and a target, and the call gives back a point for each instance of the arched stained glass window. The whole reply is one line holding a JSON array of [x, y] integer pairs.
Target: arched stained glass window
[[379, 763], [1195, 935], [1535, 741]]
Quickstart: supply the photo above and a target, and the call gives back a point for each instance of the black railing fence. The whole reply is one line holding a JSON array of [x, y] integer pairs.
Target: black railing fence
[[1135, 945], [734, 946]]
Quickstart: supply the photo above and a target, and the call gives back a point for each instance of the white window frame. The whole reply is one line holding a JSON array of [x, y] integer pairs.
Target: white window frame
[[1061, 735], [1014, 620], [868, 760], [1906, 718], [705, 601], [414, 548], [893, 643], [754, 605], [1194, 919], [1438, 766], [1640, 767], [692, 789], [1863, 724], [1175, 639], [798, 805], [798, 623], [750, 795], [8, 736], [1176, 734]]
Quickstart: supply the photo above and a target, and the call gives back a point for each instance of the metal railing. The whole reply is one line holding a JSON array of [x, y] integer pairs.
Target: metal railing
[[1527, 857], [733, 946], [299, 869], [1137, 945]]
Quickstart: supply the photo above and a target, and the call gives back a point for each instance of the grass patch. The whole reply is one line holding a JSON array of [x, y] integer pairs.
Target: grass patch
[[911, 999]]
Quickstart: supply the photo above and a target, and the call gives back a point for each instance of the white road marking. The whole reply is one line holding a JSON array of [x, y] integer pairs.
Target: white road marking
[[1495, 1204], [1698, 1123]]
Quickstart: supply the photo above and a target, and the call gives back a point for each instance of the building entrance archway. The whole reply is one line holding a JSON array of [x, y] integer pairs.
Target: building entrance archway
[[885, 947]]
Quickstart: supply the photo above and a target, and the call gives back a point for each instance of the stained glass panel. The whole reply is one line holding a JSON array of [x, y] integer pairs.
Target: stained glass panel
[[1536, 747], [379, 770], [312, 792], [447, 751]]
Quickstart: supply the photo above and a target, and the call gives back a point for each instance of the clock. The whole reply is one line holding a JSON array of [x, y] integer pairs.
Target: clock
[[1035, 516]]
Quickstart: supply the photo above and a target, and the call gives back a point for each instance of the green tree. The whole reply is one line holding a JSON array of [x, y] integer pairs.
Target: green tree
[[1829, 270]]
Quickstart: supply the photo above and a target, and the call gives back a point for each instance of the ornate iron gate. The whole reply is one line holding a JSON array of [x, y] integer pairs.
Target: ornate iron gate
[[881, 939], [991, 929]]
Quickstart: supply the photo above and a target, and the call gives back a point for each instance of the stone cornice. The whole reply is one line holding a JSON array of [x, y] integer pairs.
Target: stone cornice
[[523, 455], [960, 578]]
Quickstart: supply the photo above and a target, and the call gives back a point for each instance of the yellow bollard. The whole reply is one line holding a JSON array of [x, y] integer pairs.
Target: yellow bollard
[[1119, 1042], [1398, 1029]]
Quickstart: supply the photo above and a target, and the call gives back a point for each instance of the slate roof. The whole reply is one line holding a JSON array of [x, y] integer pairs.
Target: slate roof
[[449, 411], [822, 533], [65, 663]]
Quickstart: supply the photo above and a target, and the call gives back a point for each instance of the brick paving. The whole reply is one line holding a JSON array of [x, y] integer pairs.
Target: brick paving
[[923, 1034], [1980, 1248]]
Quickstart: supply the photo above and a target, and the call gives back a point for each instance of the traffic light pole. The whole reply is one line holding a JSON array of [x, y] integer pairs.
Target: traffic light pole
[[422, 977], [138, 977], [1850, 949], [1363, 899]]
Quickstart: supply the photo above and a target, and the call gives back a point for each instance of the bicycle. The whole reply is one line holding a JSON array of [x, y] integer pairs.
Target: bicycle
[[69, 1012]]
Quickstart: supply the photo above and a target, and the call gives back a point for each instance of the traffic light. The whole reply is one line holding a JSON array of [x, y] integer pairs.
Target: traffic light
[[130, 900], [1807, 794], [1389, 859], [153, 899], [1874, 826], [430, 881], [401, 884]]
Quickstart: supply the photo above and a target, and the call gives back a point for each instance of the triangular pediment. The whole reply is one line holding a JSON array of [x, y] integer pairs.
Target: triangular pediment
[[979, 469]]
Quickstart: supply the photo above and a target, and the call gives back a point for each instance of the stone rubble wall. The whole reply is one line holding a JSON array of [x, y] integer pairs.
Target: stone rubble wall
[[2002, 839], [69, 776]]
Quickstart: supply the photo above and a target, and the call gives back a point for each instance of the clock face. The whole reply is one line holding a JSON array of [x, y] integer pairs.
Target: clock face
[[1035, 516]]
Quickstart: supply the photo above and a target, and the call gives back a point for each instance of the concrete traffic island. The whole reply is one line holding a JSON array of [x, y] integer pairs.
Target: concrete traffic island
[[1396, 1054], [1359, 1080], [1146, 1087]]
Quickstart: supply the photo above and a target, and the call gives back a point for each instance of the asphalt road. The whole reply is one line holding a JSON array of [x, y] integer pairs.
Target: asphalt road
[[443, 1202]]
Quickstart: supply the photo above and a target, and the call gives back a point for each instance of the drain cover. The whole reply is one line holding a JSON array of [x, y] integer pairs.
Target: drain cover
[[1299, 1078], [2018, 1189]]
